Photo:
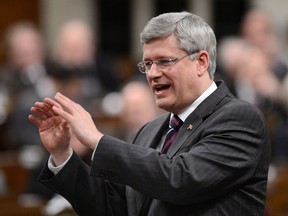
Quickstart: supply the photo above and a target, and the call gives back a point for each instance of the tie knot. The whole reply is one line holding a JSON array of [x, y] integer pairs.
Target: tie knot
[[176, 122]]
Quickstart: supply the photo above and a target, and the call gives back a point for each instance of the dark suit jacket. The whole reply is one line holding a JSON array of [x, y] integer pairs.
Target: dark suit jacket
[[216, 167]]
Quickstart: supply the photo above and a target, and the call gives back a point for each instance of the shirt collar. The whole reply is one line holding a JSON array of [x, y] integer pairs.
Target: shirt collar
[[183, 115]]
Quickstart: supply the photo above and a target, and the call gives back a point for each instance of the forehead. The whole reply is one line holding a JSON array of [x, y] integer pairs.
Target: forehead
[[163, 46]]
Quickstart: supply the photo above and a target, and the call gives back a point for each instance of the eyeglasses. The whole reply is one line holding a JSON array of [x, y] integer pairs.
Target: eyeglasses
[[145, 66]]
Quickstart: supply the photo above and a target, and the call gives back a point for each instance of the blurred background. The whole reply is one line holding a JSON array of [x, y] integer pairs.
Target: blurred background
[[89, 49]]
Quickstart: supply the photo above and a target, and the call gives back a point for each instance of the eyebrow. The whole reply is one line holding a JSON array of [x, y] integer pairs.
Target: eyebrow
[[160, 57]]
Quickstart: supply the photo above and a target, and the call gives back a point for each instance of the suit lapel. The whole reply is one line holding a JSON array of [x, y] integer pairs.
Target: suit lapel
[[195, 119], [156, 131], [187, 129]]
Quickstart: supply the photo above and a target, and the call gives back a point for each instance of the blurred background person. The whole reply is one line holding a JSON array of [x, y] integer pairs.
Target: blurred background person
[[258, 29], [138, 108], [86, 77], [75, 67], [24, 76], [247, 70], [251, 77], [231, 52]]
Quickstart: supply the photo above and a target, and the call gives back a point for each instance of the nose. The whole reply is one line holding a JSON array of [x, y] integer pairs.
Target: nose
[[154, 71]]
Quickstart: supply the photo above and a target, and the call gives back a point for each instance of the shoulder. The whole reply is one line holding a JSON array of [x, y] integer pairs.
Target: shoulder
[[242, 107], [228, 103], [239, 112]]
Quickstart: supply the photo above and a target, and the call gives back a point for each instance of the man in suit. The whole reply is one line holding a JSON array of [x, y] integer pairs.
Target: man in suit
[[216, 165]]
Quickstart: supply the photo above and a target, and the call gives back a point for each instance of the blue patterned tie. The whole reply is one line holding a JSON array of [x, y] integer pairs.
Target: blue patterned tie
[[174, 126]]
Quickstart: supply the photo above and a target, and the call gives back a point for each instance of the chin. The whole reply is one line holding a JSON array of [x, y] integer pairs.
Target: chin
[[164, 105]]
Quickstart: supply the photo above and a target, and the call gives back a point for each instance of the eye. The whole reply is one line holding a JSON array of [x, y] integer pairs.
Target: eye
[[165, 62], [147, 63]]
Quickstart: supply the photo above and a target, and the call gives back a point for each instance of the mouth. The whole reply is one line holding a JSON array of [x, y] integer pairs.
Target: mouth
[[161, 88]]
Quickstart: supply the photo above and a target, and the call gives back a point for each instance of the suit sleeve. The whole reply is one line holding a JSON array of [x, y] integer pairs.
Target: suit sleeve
[[229, 150], [88, 195]]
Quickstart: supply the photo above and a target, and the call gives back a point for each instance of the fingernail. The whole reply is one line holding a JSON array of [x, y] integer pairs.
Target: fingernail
[[57, 94]]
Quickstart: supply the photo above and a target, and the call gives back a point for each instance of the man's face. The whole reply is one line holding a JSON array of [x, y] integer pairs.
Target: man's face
[[177, 86]]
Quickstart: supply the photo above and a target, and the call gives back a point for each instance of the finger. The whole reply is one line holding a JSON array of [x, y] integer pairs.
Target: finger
[[51, 102], [75, 105], [44, 108], [36, 121], [59, 111], [42, 114], [66, 103], [39, 104]]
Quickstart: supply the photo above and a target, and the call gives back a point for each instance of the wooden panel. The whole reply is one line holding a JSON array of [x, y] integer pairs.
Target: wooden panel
[[277, 196], [15, 174], [10, 207], [16, 179]]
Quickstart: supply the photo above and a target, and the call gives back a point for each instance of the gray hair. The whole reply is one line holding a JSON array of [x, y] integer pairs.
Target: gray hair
[[192, 32]]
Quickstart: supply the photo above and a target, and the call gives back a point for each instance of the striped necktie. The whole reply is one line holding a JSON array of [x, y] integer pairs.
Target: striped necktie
[[174, 126]]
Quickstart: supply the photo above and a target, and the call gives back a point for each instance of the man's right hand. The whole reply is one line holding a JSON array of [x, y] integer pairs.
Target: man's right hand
[[54, 130]]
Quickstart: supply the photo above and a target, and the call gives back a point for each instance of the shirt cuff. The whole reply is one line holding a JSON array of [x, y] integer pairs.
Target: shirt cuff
[[56, 169], [92, 157]]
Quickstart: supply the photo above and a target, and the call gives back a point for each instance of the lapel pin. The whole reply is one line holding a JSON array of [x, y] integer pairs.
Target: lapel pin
[[189, 127]]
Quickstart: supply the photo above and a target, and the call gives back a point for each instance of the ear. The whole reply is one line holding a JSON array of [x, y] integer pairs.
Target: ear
[[202, 62]]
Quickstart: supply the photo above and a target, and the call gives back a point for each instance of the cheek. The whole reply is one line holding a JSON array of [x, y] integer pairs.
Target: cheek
[[185, 81], [186, 87]]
